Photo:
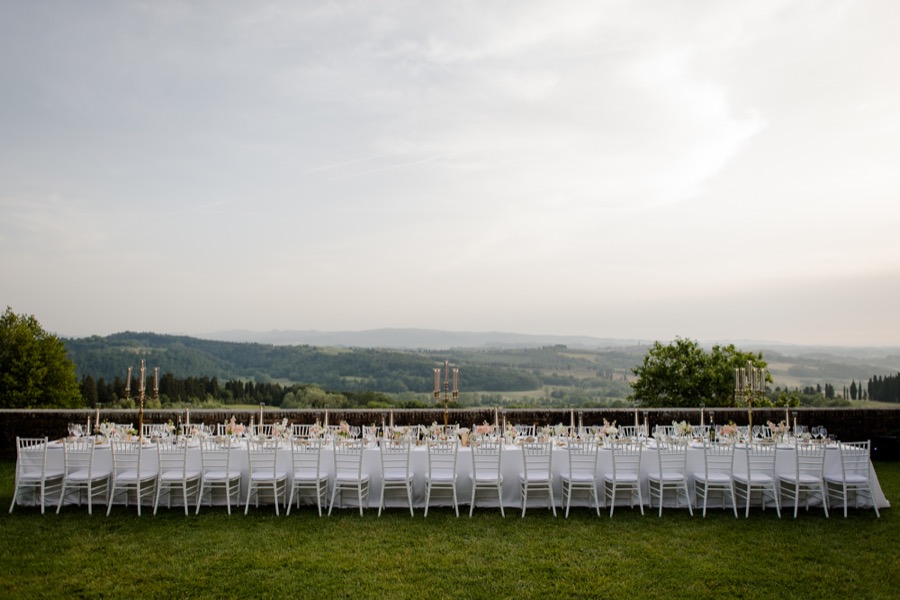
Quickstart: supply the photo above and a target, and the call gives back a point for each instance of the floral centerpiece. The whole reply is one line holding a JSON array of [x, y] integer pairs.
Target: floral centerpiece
[[682, 428], [199, 433], [560, 430], [170, 427], [233, 428], [317, 430], [510, 432], [728, 431], [282, 429], [344, 429], [608, 429], [399, 432], [107, 429], [779, 430], [484, 429]]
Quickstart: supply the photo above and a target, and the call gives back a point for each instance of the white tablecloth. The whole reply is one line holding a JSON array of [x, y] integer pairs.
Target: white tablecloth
[[511, 468]]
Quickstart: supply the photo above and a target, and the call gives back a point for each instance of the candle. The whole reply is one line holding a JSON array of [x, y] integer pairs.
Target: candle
[[326, 418], [737, 379], [496, 418], [128, 381], [87, 429], [142, 382], [636, 422], [156, 379], [437, 381], [260, 414], [572, 419], [187, 417], [701, 417], [383, 428], [392, 419], [646, 426], [456, 380], [97, 419]]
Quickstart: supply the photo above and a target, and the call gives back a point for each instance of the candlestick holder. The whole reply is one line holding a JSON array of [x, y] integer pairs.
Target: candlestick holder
[[749, 386], [142, 386], [445, 394]]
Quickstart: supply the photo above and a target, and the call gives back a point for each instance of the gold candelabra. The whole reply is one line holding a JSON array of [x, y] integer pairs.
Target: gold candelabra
[[142, 385], [443, 392], [749, 384]]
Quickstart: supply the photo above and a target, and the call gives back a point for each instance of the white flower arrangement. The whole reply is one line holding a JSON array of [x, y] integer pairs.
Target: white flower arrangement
[[282, 430], [682, 428], [560, 430], [609, 429]]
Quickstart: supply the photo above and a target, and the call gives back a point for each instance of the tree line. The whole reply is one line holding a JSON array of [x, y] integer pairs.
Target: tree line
[[884, 388]]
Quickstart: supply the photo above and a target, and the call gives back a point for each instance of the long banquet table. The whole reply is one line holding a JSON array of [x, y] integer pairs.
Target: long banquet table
[[512, 464]]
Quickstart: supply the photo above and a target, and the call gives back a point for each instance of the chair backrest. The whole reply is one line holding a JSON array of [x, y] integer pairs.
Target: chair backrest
[[172, 457], [126, 456], [810, 459], [855, 459], [536, 458], [306, 455], [262, 456], [663, 431], [701, 431], [157, 429], [487, 457], [215, 457], [626, 458], [442, 456], [31, 456], [628, 431], [761, 459], [718, 458], [300, 430], [672, 456], [583, 458], [264, 429], [524, 430], [395, 455], [79, 455], [348, 455]]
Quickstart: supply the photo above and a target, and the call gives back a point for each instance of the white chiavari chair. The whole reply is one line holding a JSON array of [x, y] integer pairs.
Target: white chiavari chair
[[348, 473], [217, 473], [441, 475], [759, 476], [264, 475], [130, 473], [808, 477], [536, 475], [582, 472], [670, 473], [306, 455], [854, 479], [82, 475], [174, 474], [32, 472], [718, 463], [395, 471], [625, 475], [486, 472]]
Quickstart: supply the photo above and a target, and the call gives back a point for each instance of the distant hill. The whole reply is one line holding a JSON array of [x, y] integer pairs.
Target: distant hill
[[414, 339]]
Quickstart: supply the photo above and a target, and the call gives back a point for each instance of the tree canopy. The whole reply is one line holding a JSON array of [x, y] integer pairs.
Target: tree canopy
[[35, 371], [683, 374]]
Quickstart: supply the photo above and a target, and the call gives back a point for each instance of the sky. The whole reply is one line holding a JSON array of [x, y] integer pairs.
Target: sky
[[628, 169]]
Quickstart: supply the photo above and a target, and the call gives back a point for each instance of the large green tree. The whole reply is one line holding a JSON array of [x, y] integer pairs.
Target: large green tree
[[35, 371], [683, 374]]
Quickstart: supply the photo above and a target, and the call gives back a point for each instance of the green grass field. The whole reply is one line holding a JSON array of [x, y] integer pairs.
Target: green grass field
[[212, 555]]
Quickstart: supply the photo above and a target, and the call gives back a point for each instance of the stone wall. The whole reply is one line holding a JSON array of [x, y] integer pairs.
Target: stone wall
[[880, 425]]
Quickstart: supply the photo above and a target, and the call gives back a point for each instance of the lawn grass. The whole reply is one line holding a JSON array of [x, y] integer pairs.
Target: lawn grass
[[212, 555]]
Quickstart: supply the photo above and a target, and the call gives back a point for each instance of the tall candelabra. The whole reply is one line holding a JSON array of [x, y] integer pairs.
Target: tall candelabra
[[142, 385], [749, 385], [445, 393]]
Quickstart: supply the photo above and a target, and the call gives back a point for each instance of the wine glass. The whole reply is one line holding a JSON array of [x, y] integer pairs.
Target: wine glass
[[823, 432], [757, 431]]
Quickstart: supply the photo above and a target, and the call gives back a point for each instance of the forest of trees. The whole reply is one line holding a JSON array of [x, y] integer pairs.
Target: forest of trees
[[884, 389]]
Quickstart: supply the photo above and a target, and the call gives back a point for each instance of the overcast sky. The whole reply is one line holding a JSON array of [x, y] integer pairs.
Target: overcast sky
[[704, 169]]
